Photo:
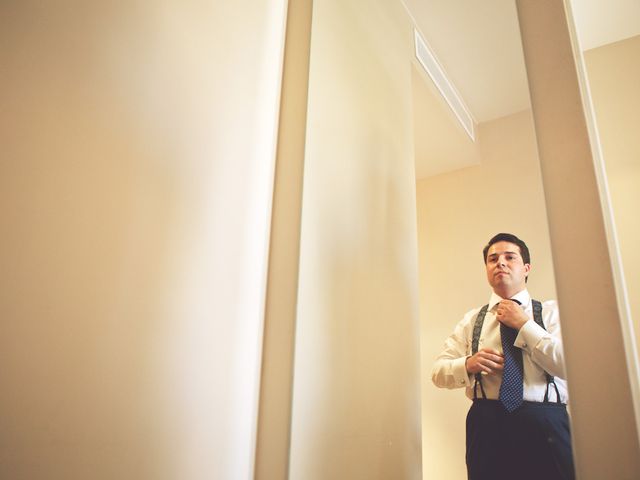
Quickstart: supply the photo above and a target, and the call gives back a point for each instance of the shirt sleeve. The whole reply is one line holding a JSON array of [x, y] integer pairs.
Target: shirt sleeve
[[449, 369], [544, 346]]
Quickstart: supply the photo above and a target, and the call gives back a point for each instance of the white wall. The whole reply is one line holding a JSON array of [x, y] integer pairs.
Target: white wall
[[356, 407], [458, 212], [135, 186]]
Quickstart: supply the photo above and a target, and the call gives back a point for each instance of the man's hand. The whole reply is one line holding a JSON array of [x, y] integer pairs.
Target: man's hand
[[511, 314], [486, 360]]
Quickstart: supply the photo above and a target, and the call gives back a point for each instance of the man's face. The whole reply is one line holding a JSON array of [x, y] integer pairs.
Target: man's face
[[506, 270]]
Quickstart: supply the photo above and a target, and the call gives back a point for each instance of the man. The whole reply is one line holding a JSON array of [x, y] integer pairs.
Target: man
[[513, 370]]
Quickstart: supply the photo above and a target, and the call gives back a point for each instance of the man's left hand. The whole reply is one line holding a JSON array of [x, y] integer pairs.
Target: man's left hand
[[511, 314]]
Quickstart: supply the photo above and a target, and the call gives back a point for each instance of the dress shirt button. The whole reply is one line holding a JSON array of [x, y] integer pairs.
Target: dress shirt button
[[524, 345]]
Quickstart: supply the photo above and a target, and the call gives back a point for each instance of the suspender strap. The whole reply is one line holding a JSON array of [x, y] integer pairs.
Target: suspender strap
[[537, 317], [477, 328]]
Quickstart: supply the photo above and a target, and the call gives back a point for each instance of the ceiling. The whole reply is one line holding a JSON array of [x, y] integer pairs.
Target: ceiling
[[478, 45], [600, 23]]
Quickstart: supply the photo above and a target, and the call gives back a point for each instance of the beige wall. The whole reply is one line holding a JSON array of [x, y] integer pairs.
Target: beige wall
[[457, 213], [135, 184], [356, 407], [614, 80]]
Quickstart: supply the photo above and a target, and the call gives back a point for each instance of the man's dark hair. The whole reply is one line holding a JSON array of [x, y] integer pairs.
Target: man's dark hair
[[508, 237]]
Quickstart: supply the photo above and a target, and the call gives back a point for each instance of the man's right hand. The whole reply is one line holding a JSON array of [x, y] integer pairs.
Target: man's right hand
[[486, 360]]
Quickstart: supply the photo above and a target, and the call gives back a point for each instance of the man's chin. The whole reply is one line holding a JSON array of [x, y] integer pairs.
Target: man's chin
[[500, 282]]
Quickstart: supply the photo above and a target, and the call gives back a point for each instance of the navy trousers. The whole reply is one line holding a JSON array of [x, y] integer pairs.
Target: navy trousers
[[532, 442]]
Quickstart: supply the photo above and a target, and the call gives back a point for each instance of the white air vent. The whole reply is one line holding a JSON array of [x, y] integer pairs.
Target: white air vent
[[428, 61]]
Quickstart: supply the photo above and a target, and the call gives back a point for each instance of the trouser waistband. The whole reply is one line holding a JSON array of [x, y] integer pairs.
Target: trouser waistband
[[527, 403]]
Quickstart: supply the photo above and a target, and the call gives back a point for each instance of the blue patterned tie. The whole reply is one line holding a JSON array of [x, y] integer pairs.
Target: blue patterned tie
[[511, 388]]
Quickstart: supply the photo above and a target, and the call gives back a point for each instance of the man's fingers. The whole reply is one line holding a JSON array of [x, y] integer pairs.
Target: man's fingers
[[489, 365], [489, 350], [496, 359], [486, 360], [491, 355], [497, 366]]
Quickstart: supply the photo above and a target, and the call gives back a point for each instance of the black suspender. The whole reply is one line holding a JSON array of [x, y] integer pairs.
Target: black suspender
[[477, 329], [537, 317]]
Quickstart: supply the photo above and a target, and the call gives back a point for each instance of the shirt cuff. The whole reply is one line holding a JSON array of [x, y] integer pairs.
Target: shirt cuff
[[529, 335], [459, 371]]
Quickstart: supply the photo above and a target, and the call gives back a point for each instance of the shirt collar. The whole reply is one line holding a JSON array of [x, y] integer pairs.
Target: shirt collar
[[522, 296]]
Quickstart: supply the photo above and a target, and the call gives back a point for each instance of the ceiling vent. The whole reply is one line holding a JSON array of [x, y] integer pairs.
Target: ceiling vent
[[428, 61]]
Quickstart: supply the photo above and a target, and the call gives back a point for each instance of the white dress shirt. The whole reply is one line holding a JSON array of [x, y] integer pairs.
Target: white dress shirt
[[541, 351]]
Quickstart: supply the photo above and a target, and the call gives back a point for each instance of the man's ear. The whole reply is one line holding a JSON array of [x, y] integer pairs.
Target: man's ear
[[527, 267]]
